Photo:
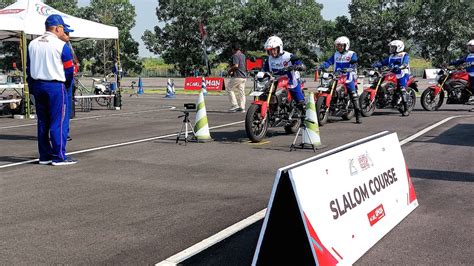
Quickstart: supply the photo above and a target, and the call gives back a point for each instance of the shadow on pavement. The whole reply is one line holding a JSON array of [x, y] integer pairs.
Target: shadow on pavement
[[17, 137], [15, 159], [460, 135], [237, 249], [442, 175]]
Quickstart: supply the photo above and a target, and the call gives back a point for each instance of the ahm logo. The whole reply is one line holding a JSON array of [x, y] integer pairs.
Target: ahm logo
[[365, 162], [43, 10]]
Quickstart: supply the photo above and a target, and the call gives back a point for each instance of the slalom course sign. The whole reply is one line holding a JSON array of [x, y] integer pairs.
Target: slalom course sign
[[332, 208]]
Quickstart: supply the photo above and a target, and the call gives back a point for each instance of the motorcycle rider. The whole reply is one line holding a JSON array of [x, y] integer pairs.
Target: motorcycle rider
[[280, 62], [345, 58], [399, 62], [469, 59]]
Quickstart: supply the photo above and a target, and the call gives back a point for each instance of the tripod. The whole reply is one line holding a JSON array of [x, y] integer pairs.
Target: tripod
[[184, 126], [302, 145]]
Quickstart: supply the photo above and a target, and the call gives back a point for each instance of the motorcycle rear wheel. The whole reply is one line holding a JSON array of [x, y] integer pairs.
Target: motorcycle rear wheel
[[429, 102], [412, 102], [322, 110], [366, 107], [255, 127], [293, 127], [350, 112]]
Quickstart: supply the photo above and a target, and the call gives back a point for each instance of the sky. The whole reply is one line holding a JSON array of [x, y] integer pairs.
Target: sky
[[146, 18]]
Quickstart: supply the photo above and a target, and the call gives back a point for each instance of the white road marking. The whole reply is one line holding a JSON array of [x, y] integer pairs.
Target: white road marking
[[423, 131], [212, 240], [97, 116], [117, 145]]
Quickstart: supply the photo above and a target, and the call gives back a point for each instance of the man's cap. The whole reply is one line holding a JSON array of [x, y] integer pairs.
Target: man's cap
[[56, 20]]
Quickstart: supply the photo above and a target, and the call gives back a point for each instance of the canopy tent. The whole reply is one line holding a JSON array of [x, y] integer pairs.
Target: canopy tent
[[25, 19], [28, 16]]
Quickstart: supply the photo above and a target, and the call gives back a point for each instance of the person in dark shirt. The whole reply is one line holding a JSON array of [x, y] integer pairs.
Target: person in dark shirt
[[236, 87]]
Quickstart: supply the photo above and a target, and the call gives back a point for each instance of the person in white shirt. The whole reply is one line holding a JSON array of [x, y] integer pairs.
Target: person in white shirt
[[50, 71]]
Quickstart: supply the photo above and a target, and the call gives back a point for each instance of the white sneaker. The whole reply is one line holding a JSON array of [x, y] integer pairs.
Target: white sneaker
[[68, 161], [241, 110], [233, 109], [45, 162]]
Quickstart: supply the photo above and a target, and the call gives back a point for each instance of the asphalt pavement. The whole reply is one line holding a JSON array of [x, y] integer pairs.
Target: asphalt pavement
[[145, 201]]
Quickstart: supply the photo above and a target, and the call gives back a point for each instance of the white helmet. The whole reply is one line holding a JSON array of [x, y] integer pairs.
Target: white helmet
[[274, 42], [399, 46], [343, 40], [470, 46]]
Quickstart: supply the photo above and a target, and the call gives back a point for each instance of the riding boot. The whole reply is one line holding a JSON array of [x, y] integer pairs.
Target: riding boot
[[355, 102], [405, 102], [300, 106]]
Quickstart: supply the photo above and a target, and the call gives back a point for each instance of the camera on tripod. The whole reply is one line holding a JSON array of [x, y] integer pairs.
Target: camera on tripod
[[189, 106], [186, 122]]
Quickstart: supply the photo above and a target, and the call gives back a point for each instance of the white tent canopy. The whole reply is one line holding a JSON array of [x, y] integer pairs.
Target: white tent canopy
[[28, 16]]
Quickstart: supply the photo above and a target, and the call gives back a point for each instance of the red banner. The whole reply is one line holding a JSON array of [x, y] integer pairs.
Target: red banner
[[212, 84], [257, 64]]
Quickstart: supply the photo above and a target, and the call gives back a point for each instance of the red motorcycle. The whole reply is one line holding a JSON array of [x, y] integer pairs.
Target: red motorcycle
[[453, 83], [273, 106], [332, 97], [385, 93]]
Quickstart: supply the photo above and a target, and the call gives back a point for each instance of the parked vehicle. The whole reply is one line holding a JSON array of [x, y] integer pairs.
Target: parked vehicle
[[453, 83]]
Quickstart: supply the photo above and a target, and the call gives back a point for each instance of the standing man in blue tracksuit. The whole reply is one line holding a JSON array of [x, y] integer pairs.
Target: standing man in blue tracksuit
[[345, 58], [50, 72]]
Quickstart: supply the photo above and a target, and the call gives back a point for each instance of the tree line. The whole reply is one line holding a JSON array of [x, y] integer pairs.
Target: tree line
[[433, 30]]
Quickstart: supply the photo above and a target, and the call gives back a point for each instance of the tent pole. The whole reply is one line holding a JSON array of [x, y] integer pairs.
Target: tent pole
[[26, 93], [119, 64], [105, 58], [118, 96]]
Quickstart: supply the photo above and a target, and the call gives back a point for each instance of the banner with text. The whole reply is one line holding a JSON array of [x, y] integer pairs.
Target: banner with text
[[341, 203], [212, 84]]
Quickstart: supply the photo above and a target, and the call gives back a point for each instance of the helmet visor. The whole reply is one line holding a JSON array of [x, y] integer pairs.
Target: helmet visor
[[393, 49], [470, 48]]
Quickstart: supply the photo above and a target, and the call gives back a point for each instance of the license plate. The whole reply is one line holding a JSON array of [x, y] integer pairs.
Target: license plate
[[323, 89], [256, 93]]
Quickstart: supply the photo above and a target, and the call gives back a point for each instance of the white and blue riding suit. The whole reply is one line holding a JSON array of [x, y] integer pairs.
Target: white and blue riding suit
[[50, 72], [341, 61], [395, 61], [277, 66], [470, 70]]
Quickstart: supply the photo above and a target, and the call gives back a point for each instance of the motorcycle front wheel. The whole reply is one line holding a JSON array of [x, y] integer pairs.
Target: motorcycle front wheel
[[255, 126], [367, 108], [322, 110], [429, 102]]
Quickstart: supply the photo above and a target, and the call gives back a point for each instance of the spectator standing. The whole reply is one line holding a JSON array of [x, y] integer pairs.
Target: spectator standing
[[238, 72], [50, 71]]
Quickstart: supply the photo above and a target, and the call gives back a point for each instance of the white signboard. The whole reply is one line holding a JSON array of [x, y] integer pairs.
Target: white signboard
[[334, 207]]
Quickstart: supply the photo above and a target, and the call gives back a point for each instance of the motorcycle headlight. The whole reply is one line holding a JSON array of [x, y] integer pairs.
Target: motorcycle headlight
[[261, 84], [325, 82]]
